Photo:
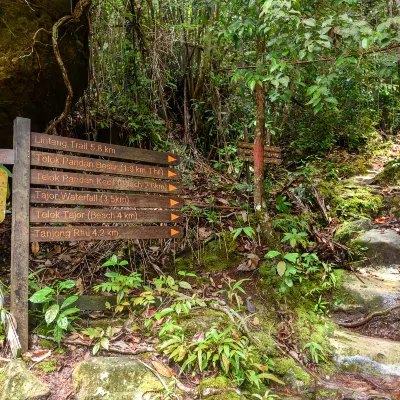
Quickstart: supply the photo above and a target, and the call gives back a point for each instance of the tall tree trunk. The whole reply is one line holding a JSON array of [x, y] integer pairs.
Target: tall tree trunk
[[259, 197], [267, 233]]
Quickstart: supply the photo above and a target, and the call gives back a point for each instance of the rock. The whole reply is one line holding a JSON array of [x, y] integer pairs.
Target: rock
[[18, 383], [202, 322], [363, 354], [350, 230], [371, 290], [219, 388], [292, 374], [31, 83], [384, 246], [114, 378]]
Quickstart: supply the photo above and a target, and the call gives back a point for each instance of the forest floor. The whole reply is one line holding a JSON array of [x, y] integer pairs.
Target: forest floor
[[214, 204]]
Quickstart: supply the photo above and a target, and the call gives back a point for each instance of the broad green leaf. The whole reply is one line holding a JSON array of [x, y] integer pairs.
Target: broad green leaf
[[62, 322], [281, 268], [292, 257], [272, 254], [68, 301], [51, 313], [309, 22], [185, 285], [42, 296], [104, 343]]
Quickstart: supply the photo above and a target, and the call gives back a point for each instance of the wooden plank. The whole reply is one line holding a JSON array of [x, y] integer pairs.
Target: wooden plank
[[53, 160], [267, 154], [266, 148], [98, 215], [43, 141], [3, 194], [276, 161], [71, 179], [7, 156], [74, 197], [68, 233], [20, 229]]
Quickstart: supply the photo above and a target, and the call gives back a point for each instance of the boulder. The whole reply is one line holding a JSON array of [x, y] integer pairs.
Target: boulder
[[219, 388], [18, 383], [384, 246], [363, 354], [31, 83], [115, 378]]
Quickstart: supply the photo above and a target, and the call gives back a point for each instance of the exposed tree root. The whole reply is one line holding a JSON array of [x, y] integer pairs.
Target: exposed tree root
[[112, 349], [368, 318], [75, 17]]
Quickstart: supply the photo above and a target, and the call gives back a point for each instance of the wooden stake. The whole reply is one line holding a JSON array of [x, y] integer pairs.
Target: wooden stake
[[20, 229]]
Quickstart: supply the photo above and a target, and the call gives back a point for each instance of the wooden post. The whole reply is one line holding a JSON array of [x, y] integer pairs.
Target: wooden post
[[20, 229]]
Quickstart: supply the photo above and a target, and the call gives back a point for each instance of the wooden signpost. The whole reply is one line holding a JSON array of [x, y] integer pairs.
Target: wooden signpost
[[40, 196], [272, 155]]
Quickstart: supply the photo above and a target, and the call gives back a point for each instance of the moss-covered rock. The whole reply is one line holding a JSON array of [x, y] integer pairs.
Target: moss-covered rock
[[31, 83], [216, 256], [219, 388], [352, 201], [202, 322], [349, 230], [390, 175], [114, 378], [292, 374], [18, 383]]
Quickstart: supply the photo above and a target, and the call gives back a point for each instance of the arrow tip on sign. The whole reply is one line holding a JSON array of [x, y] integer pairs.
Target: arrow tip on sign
[[172, 202], [171, 188], [171, 159], [171, 173], [174, 217], [174, 232]]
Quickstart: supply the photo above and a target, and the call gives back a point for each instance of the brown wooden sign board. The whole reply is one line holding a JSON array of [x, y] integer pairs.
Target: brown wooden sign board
[[88, 233], [266, 148], [250, 152], [98, 215], [6, 156], [276, 161], [131, 194], [105, 199], [51, 142], [71, 179], [63, 161]]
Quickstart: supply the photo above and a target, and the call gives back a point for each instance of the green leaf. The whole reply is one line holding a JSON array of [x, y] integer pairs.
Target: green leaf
[[271, 377], [66, 285], [104, 343], [281, 268], [62, 322], [310, 22], [68, 301], [292, 257], [69, 311], [51, 313], [185, 285], [365, 43], [272, 254], [42, 296], [96, 348]]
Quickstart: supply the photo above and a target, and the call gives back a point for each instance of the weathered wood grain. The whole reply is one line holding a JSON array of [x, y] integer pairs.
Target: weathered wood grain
[[69, 233], [106, 199], [20, 229], [109, 182], [266, 148], [43, 141], [100, 215], [63, 161], [276, 161], [267, 154]]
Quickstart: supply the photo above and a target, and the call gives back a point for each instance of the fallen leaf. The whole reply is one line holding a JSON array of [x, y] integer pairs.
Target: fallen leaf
[[162, 369], [256, 321], [35, 247], [40, 355]]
